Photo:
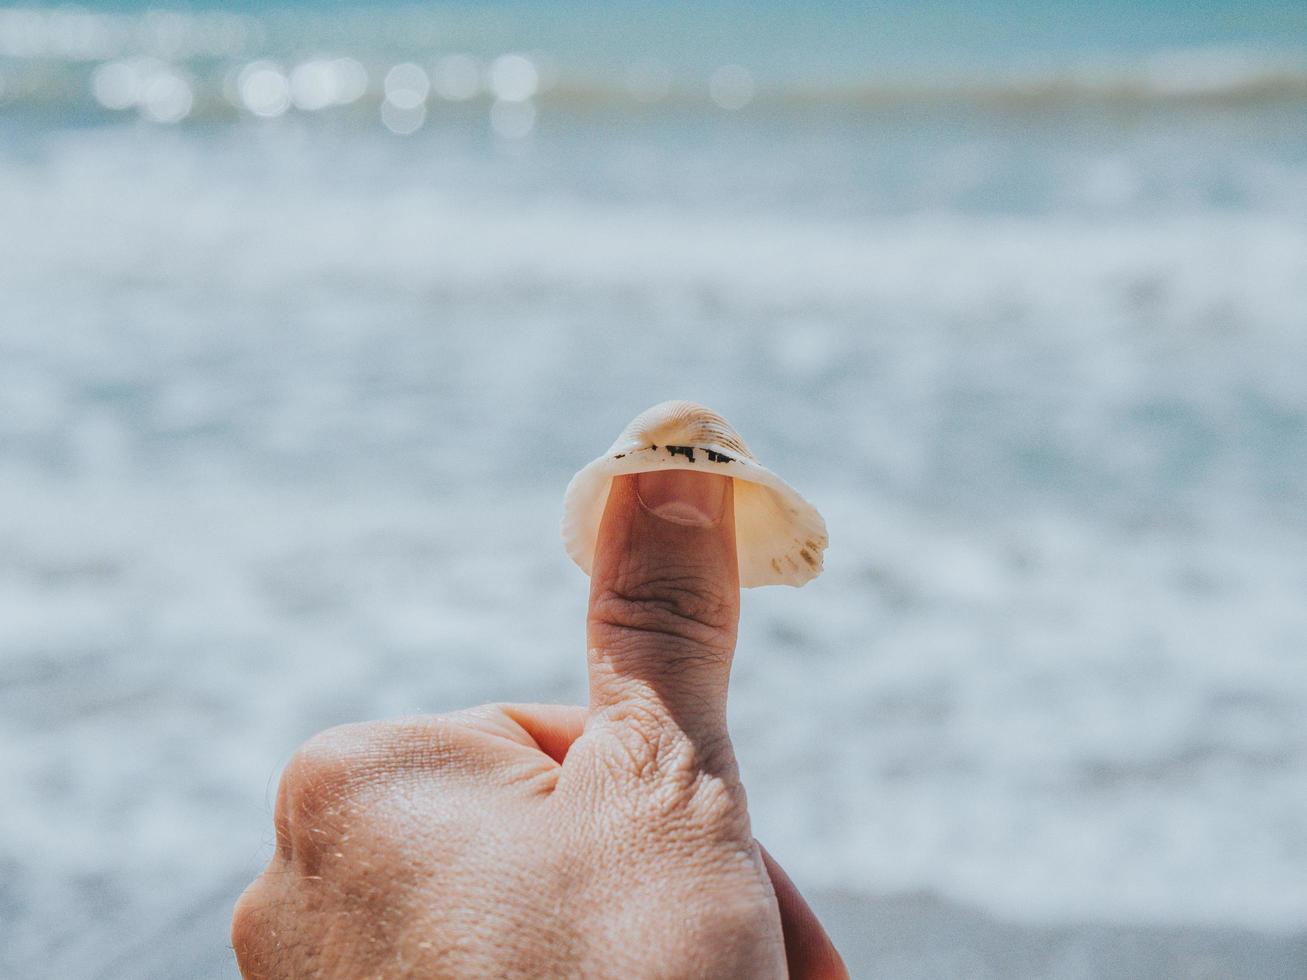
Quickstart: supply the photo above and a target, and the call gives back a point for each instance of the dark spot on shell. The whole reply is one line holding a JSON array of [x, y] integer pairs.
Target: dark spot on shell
[[812, 544], [806, 555], [686, 451], [775, 566], [619, 456], [717, 457]]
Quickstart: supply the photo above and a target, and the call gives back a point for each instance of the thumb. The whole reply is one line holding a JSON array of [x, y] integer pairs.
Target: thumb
[[664, 602]]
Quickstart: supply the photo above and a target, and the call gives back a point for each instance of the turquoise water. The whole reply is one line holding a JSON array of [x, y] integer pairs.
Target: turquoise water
[[823, 51], [1010, 30], [295, 363]]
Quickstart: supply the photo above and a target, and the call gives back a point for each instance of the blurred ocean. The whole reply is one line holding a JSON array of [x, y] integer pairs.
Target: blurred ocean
[[308, 314]]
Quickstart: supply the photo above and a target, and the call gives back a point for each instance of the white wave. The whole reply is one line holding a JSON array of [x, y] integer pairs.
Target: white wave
[[283, 426]]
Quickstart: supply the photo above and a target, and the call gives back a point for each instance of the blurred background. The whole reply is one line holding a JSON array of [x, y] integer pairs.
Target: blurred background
[[308, 313]]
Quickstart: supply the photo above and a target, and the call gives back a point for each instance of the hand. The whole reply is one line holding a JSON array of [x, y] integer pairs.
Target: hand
[[551, 841]]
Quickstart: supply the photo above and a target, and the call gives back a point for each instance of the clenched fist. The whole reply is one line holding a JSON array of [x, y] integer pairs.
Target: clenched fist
[[551, 841]]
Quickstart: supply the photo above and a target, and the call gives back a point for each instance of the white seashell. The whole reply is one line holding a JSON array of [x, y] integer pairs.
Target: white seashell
[[779, 536]]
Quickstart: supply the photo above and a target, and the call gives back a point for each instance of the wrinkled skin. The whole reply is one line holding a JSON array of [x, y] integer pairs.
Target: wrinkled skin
[[551, 841]]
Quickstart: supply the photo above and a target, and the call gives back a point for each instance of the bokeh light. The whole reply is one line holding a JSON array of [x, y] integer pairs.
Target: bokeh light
[[403, 120], [117, 85], [407, 86], [514, 78], [166, 97], [313, 85], [349, 79], [159, 91], [264, 89]]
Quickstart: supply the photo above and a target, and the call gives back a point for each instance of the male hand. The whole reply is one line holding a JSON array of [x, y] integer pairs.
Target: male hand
[[551, 841]]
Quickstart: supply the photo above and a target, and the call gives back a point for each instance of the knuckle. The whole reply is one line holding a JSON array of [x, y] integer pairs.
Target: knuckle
[[322, 770], [719, 806], [250, 928], [679, 781], [684, 606], [645, 747], [318, 787], [320, 798], [423, 743]]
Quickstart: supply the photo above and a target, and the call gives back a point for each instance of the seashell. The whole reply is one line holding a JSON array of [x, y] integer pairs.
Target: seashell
[[779, 536]]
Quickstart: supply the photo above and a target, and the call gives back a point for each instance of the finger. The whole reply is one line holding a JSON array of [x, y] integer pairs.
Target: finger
[[809, 951], [542, 728], [262, 911], [552, 727], [665, 601]]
